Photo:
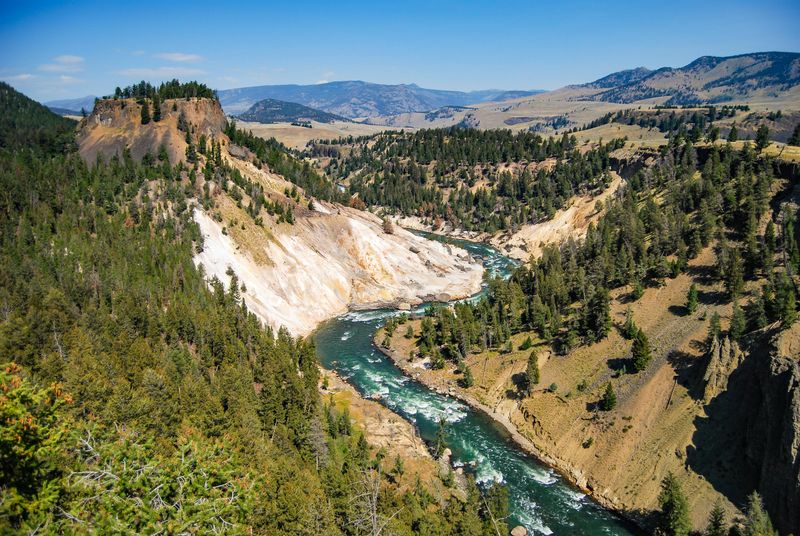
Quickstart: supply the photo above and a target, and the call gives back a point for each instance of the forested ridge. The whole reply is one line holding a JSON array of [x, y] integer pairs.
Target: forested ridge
[[667, 215], [457, 175], [138, 399]]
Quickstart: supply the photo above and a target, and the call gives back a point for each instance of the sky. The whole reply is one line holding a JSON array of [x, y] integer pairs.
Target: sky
[[57, 50]]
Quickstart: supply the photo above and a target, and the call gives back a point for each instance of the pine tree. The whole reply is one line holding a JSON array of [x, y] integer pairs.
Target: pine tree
[[409, 332], [532, 374], [738, 324], [440, 443], [733, 135], [609, 400], [629, 328], [467, 380], [795, 139], [145, 112], [734, 278], [762, 138], [714, 328], [640, 351], [788, 310], [757, 521], [716, 522], [156, 108], [756, 314], [673, 518], [691, 299]]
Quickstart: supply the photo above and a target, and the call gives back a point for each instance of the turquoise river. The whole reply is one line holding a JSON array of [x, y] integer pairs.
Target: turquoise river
[[540, 499]]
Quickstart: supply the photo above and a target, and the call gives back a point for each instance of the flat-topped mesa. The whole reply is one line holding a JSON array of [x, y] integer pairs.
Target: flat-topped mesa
[[117, 124]]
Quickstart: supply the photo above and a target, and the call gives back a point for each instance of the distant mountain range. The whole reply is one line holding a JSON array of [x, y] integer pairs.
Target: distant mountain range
[[708, 79], [72, 106], [353, 99], [278, 111]]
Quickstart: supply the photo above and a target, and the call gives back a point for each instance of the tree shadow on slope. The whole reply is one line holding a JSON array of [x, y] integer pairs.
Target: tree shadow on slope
[[719, 443], [689, 371], [702, 274]]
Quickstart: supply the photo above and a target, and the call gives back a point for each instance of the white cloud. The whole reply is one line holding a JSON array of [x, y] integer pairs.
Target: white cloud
[[322, 81], [178, 56], [66, 79], [160, 72], [19, 77], [65, 63]]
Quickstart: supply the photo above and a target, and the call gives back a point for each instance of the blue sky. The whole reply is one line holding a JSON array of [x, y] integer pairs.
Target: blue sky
[[53, 50]]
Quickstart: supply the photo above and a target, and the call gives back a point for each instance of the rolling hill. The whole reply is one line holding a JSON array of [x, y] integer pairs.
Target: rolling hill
[[278, 111], [353, 99], [708, 79]]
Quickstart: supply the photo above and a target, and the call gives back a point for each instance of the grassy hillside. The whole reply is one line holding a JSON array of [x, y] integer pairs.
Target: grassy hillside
[[708, 79]]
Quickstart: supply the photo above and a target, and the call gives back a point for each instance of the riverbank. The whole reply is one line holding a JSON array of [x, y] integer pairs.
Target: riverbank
[[568, 471], [394, 437]]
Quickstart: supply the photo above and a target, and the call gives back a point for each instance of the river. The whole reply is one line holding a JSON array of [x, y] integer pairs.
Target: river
[[539, 498]]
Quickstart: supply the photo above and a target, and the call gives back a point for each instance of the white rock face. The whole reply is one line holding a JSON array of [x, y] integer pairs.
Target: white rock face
[[338, 258]]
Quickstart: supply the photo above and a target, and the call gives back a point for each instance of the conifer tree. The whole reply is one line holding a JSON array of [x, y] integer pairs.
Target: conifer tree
[[738, 323], [467, 381], [762, 138], [733, 135], [756, 314], [532, 374], [691, 299], [629, 328], [640, 351], [609, 400], [440, 443], [145, 112], [716, 522], [795, 139], [757, 521], [714, 329], [673, 517], [156, 108]]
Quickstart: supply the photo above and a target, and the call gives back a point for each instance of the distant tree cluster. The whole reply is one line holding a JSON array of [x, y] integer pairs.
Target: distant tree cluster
[[413, 173], [173, 89]]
